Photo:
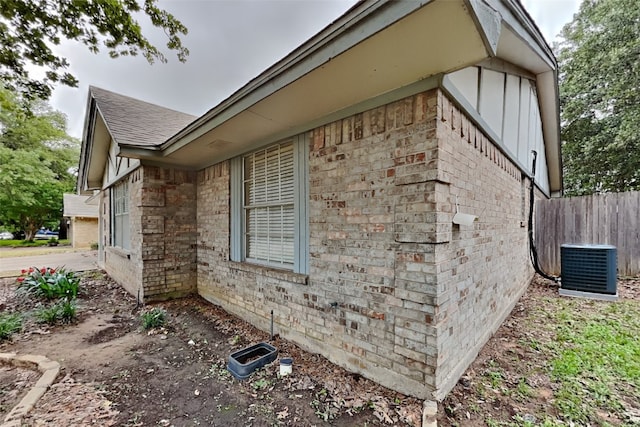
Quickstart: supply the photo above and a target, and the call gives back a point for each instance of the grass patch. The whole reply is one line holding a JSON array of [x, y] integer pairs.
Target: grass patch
[[595, 359], [30, 243], [9, 324]]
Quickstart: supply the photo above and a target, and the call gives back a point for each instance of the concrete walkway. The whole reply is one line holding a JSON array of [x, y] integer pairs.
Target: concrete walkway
[[67, 258]]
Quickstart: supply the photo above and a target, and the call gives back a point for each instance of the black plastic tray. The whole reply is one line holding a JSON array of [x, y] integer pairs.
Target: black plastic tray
[[243, 362]]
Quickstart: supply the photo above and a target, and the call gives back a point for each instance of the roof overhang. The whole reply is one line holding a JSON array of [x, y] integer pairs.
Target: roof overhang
[[376, 48], [94, 151]]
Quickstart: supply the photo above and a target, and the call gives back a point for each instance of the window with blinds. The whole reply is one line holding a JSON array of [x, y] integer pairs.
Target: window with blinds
[[269, 211], [120, 215]]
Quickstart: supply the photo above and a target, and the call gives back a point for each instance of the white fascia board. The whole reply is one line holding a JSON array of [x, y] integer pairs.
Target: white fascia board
[[549, 101], [139, 151], [99, 151], [370, 17], [515, 17], [489, 23], [85, 148]]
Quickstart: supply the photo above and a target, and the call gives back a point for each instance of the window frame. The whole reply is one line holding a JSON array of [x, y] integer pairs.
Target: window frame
[[119, 215], [239, 208]]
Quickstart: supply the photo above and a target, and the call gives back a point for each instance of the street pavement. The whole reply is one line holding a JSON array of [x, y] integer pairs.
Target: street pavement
[[11, 266]]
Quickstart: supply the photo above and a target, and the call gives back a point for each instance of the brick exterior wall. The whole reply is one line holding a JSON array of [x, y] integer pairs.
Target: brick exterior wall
[[484, 269], [84, 232], [396, 292], [161, 261], [168, 228], [125, 267]]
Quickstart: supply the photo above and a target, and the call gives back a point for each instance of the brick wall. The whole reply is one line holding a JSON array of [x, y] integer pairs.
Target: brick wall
[[168, 230], [484, 268], [395, 291], [84, 232], [161, 262], [124, 266]]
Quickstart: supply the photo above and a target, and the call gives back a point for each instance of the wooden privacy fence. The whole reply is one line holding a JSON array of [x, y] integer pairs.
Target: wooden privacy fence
[[612, 219]]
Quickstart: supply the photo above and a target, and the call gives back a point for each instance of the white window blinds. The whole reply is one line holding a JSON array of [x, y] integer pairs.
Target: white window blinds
[[269, 205]]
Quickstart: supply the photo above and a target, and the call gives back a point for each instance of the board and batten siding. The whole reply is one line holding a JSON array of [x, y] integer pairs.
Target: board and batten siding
[[610, 219], [508, 104]]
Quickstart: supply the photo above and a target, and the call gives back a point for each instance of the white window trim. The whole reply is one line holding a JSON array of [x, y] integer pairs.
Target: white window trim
[[300, 209], [119, 214]]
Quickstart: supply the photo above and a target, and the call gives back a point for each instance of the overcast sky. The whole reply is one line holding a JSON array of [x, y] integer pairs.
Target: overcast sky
[[230, 42]]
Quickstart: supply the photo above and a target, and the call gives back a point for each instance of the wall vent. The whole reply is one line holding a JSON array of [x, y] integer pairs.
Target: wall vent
[[589, 269]]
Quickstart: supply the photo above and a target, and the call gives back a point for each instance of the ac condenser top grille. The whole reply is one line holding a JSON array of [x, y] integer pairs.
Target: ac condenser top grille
[[589, 268]]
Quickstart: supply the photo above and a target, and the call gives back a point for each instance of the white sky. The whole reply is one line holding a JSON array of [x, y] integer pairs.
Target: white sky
[[230, 42]]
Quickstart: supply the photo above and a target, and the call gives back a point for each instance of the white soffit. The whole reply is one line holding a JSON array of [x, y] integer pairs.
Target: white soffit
[[99, 152], [513, 49], [440, 36]]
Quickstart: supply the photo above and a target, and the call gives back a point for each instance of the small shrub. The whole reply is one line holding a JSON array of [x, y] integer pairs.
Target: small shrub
[[49, 283], [69, 310], [48, 315], [9, 323], [154, 318], [65, 311], [94, 246]]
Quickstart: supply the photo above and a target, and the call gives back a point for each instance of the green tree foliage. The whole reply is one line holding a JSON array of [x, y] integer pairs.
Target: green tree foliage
[[28, 29], [36, 161], [600, 96]]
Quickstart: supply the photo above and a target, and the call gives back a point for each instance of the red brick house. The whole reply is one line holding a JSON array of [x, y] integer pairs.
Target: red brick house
[[325, 188]]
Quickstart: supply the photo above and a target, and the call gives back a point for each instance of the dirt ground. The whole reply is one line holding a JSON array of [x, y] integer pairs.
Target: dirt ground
[[507, 384], [115, 374]]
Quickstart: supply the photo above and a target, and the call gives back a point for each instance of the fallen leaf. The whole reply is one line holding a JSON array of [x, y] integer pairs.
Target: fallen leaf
[[283, 414]]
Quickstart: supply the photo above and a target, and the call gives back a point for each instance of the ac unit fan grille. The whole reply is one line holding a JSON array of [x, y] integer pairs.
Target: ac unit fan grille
[[589, 268]]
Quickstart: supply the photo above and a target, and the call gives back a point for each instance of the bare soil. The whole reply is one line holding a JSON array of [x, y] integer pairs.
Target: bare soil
[[508, 384], [115, 374]]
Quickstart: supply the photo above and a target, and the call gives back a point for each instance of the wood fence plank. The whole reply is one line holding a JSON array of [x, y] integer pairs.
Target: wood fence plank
[[612, 218]]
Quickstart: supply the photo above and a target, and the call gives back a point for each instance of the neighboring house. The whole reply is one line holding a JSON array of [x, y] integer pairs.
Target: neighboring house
[[324, 190], [82, 214]]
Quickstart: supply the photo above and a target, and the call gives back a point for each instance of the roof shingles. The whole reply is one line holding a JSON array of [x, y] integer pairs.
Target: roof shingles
[[134, 122]]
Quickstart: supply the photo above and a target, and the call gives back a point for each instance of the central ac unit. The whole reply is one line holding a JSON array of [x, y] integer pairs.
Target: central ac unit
[[589, 271]]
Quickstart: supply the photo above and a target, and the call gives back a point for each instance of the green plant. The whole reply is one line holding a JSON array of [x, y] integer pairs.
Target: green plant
[[65, 310], [48, 315], [261, 384], [94, 246], [29, 243], [49, 283], [524, 390], [154, 318], [9, 323], [594, 360], [69, 310]]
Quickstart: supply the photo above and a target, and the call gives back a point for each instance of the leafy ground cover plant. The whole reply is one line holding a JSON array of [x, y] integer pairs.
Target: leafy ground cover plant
[[9, 323], [65, 311], [154, 318], [49, 283]]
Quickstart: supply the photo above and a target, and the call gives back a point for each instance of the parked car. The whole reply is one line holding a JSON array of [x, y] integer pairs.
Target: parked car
[[5, 235], [46, 235]]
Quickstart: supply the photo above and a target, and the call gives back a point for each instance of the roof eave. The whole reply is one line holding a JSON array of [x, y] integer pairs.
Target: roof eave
[[301, 61]]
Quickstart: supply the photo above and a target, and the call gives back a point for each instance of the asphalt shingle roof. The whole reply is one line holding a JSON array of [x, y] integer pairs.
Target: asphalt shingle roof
[[75, 205], [131, 121]]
